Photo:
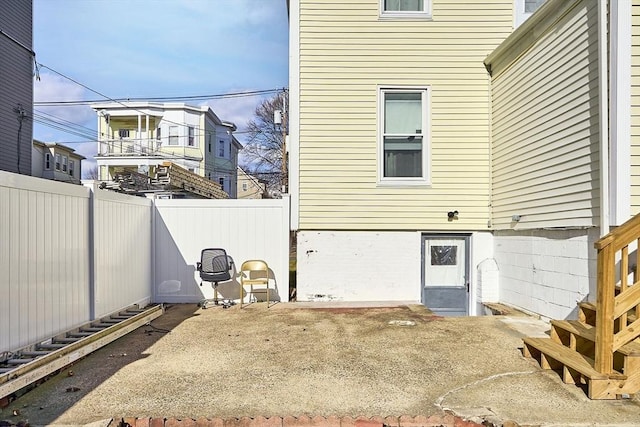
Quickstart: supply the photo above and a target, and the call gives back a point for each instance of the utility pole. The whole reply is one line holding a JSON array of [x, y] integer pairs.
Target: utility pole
[[285, 175]]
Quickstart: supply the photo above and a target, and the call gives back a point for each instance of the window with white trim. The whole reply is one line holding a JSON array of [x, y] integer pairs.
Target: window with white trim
[[159, 134], [404, 136], [173, 135], [64, 163], [405, 8], [71, 167], [524, 9], [47, 161], [123, 133], [57, 162]]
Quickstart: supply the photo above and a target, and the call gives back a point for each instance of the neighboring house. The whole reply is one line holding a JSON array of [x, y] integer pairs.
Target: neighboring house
[[250, 187], [437, 155], [55, 161], [140, 136], [16, 90]]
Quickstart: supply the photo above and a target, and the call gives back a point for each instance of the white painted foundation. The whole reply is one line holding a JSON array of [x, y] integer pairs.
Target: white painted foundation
[[374, 266], [546, 272]]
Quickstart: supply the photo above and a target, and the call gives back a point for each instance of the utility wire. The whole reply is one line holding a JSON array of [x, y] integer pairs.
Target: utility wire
[[162, 98], [118, 101]]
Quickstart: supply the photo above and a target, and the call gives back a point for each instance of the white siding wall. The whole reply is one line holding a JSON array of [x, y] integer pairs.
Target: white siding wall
[[122, 242], [545, 126], [635, 107], [546, 272], [44, 237], [246, 229]]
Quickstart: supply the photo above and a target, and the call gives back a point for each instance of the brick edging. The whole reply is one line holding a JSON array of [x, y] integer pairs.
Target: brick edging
[[445, 420]]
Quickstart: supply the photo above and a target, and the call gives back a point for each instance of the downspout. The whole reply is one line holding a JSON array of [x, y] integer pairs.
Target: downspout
[[603, 101]]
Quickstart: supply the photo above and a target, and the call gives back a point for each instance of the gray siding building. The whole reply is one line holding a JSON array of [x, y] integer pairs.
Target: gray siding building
[[16, 85]]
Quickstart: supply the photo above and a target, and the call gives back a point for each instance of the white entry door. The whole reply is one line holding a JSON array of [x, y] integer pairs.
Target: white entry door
[[445, 280]]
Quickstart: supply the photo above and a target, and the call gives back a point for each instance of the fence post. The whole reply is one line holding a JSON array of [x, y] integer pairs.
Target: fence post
[[604, 310]]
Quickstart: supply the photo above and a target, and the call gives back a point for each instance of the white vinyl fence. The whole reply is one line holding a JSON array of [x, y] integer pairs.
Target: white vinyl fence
[[246, 229], [71, 254]]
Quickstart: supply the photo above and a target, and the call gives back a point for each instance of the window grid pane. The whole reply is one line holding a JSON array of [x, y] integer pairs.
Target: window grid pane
[[404, 5], [403, 138]]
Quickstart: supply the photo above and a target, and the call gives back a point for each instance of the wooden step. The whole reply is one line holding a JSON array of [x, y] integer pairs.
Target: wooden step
[[574, 368], [587, 313], [587, 332], [550, 349]]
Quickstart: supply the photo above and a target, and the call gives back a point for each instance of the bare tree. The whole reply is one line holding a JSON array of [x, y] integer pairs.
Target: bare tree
[[92, 173], [262, 155]]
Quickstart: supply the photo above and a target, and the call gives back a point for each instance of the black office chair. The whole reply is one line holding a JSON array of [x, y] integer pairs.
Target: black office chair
[[215, 266]]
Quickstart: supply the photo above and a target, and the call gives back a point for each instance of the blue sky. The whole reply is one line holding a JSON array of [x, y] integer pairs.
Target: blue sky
[[154, 48]]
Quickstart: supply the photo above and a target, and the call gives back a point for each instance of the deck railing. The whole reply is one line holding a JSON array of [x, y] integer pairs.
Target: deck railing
[[618, 300]]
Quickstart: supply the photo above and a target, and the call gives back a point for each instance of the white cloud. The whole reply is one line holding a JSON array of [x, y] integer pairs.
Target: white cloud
[[54, 88], [236, 110]]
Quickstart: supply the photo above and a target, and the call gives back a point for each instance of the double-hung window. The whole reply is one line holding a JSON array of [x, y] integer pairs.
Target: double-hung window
[[173, 135], [192, 136], [221, 150], [47, 161], [405, 8], [404, 136], [58, 158]]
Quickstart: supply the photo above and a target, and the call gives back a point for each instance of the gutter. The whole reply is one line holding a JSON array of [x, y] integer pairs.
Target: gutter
[[526, 35]]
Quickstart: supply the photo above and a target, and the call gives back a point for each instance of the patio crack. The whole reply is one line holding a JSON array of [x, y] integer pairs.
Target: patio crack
[[491, 415]]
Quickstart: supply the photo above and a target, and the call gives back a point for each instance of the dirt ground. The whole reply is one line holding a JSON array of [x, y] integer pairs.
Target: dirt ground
[[287, 360]]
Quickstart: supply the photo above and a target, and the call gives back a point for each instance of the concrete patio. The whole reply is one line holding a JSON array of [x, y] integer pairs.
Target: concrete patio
[[307, 360]]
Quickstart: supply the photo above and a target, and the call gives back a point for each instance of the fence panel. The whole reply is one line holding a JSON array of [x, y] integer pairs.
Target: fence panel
[[44, 236], [246, 229], [122, 251]]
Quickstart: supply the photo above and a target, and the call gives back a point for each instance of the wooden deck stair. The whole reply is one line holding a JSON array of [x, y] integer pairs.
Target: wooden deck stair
[[601, 350]]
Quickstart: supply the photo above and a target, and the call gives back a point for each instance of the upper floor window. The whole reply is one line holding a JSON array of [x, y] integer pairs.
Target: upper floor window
[[57, 162], [159, 133], [123, 133], [64, 163], [244, 186], [524, 9], [192, 137], [71, 167], [47, 161], [221, 149], [403, 136], [173, 135], [405, 8], [221, 182]]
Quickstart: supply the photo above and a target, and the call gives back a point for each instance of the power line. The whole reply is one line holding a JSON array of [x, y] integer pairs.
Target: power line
[[161, 98]]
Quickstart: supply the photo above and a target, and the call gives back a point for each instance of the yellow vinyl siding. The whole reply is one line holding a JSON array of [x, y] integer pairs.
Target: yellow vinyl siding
[[635, 107], [545, 128], [347, 53]]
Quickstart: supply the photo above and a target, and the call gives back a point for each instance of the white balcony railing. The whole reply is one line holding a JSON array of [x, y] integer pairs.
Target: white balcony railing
[[146, 147]]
